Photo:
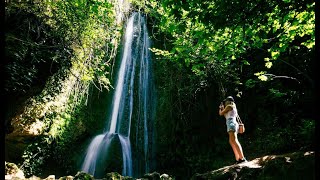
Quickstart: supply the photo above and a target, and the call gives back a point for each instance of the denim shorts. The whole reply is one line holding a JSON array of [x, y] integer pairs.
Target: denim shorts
[[232, 125]]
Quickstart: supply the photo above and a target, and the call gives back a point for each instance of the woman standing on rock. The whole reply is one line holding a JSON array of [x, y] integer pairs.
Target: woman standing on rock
[[228, 109]]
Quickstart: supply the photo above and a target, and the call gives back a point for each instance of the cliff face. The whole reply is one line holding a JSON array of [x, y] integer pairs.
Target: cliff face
[[297, 165]]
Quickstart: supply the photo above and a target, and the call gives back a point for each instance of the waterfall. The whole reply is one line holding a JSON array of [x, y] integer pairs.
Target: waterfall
[[133, 107]]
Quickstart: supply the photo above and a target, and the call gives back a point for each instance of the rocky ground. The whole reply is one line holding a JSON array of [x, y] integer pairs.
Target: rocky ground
[[297, 165]]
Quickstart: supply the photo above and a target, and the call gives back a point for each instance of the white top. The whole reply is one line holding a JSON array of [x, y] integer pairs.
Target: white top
[[231, 114]]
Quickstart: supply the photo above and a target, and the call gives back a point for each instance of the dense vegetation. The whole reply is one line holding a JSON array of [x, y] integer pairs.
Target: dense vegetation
[[57, 53], [259, 51]]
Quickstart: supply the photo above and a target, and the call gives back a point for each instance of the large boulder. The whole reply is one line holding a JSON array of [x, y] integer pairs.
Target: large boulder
[[297, 165], [13, 172]]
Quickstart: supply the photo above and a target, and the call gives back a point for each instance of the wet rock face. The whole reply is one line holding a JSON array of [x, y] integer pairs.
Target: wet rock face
[[14, 150], [24, 130], [288, 166]]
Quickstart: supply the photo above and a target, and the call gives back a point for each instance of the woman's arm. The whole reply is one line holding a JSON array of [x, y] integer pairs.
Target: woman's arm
[[222, 111]]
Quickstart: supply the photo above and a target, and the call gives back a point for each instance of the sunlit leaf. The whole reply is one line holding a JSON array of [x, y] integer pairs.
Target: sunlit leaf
[[275, 54], [263, 78], [268, 64]]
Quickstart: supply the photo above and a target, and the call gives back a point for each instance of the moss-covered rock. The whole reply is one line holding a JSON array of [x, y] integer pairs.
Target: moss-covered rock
[[116, 176], [83, 176]]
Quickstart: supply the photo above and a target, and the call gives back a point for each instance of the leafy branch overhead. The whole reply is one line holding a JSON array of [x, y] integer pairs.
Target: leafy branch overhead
[[208, 32]]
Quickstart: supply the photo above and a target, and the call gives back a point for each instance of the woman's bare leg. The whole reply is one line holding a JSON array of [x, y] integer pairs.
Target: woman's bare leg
[[233, 144], [238, 147]]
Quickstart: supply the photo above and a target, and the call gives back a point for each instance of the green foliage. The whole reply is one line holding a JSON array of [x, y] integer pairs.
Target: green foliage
[[60, 49], [33, 51], [276, 93], [258, 51], [83, 176], [59, 134], [307, 132], [222, 31], [34, 157], [55, 34]]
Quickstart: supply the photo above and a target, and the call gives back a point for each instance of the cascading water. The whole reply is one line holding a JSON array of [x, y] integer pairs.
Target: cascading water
[[132, 110]]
